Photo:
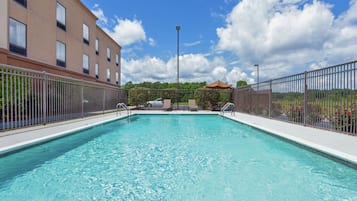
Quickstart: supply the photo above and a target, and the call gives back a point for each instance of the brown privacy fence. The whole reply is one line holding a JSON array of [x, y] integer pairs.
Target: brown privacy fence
[[31, 97], [324, 98]]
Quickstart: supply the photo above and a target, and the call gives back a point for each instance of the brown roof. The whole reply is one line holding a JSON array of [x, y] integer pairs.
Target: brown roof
[[219, 85]]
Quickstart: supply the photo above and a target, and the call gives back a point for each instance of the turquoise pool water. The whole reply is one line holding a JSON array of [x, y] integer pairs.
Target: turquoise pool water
[[173, 157]]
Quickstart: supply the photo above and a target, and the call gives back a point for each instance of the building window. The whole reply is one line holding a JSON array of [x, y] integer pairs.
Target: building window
[[117, 78], [85, 64], [108, 74], [60, 54], [108, 54], [97, 46], [117, 59], [22, 2], [85, 34], [61, 16], [17, 34], [96, 71]]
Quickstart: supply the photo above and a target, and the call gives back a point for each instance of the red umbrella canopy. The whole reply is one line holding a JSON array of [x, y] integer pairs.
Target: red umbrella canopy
[[219, 85]]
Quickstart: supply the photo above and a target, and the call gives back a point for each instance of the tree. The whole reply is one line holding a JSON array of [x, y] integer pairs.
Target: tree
[[129, 85], [242, 83], [138, 95], [207, 98]]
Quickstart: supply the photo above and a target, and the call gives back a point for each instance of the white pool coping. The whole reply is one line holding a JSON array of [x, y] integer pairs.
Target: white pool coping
[[339, 145]]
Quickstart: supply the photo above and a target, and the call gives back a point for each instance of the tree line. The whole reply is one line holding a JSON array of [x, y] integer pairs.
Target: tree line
[[166, 85]]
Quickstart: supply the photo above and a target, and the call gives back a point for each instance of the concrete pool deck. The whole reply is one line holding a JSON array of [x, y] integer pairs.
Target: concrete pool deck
[[335, 144]]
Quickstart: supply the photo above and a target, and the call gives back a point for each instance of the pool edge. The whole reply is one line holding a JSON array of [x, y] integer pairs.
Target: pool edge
[[25, 144], [28, 143], [342, 157]]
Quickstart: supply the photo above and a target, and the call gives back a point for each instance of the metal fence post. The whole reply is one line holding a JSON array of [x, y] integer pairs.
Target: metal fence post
[[119, 96], [44, 98], [305, 97], [82, 100], [270, 98], [3, 96], [103, 100]]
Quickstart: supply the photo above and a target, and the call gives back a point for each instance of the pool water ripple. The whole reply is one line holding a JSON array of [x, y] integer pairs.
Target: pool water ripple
[[174, 157]]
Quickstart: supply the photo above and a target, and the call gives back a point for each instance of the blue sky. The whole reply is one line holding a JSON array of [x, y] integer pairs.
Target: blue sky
[[223, 39]]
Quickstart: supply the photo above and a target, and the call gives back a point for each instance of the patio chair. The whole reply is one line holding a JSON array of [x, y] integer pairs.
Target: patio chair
[[167, 105], [192, 106]]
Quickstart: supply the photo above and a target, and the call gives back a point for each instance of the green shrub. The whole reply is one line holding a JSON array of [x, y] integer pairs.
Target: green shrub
[[345, 121], [15, 88], [169, 94], [138, 96], [207, 98]]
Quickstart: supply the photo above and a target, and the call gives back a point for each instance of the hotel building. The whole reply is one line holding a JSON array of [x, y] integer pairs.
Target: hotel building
[[60, 37]]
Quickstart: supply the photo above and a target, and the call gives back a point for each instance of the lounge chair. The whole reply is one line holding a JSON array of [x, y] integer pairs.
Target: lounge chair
[[192, 105], [167, 105]]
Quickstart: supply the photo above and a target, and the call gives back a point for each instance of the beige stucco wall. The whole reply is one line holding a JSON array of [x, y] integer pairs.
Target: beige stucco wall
[[3, 24], [73, 37], [104, 42], [42, 34], [40, 29]]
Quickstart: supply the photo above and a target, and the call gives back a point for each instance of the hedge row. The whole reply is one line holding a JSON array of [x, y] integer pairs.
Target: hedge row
[[205, 98]]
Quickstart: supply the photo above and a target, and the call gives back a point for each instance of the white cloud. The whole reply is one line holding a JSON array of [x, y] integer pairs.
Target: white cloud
[[236, 74], [219, 72], [299, 29], [147, 68], [152, 42], [193, 68], [350, 16], [127, 32], [97, 11], [343, 44], [282, 35], [192, 43]]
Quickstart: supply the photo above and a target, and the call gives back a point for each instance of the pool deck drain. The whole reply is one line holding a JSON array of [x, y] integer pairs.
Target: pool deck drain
[[336, 144]]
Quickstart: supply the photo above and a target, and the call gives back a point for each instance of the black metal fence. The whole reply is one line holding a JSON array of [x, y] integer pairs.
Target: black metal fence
[[324, 98], [30, 98]]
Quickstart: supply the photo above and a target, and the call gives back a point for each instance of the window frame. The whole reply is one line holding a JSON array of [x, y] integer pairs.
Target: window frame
[[108, 74], [15, 47], [22, 3], [108, 54], [117, 78], [85, 68], [117, 59], [60, 24], [97, 71], [86, 32], [59, 61], [97, 46]]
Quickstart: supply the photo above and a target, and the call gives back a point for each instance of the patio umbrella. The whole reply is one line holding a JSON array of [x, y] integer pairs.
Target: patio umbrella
[[219, 85]]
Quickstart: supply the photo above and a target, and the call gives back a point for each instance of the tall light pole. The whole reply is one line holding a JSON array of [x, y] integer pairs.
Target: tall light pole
[[257, 65], [178, 64]]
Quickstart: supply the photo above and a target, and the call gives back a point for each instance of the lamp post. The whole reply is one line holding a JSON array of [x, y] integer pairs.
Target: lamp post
[[257, 65], [178, 64]]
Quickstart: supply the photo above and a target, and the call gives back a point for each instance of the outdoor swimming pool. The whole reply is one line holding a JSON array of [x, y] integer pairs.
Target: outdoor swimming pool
[[173, 157]]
